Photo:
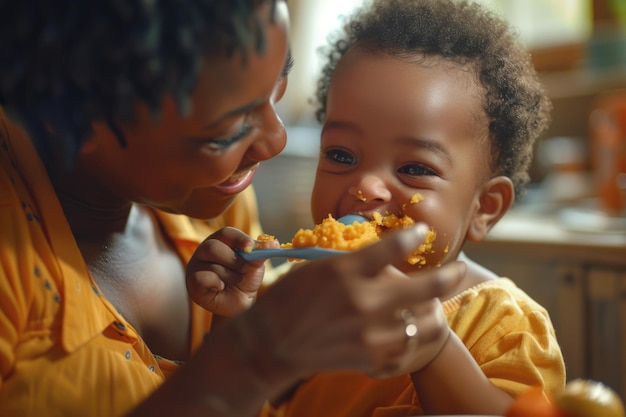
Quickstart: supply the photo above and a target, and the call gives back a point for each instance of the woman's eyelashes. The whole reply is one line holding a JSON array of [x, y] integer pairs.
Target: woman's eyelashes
[[289, 63], [226, 142]]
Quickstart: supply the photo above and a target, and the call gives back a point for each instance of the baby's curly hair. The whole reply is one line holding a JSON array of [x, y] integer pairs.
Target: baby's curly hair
[[515, 103], [68, 63]]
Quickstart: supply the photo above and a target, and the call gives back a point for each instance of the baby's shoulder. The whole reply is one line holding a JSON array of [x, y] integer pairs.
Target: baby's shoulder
[[501, 297]]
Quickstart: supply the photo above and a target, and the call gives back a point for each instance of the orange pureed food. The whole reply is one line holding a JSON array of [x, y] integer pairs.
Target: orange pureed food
[[264, 241], [332, 234]]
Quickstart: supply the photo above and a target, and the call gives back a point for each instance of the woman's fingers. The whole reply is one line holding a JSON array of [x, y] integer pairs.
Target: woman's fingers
[[391, 248], [352, 318], [392, 290], [425, 285], [428, 334]]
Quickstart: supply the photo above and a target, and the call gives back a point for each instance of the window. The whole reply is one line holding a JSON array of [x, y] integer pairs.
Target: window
[[541, 23]]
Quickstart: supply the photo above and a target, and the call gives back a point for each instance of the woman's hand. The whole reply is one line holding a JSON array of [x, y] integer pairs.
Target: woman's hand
[[345, 313], [340, 313], [219, 280]]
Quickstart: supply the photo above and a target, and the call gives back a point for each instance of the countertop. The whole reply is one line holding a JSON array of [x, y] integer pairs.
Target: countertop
[[573, 233]]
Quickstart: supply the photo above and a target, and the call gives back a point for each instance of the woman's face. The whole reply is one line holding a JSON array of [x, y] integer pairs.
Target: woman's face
[[197, 164], [394, 129]]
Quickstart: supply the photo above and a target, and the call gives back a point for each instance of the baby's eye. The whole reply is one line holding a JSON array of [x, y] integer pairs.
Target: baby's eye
[[339, 156], [416, 170]]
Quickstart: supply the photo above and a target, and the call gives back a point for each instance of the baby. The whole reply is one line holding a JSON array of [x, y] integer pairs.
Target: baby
[[435, 97]]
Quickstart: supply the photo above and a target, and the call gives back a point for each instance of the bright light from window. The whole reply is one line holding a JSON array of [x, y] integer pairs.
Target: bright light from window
[[330, 18], [540, 23], [547, 22]]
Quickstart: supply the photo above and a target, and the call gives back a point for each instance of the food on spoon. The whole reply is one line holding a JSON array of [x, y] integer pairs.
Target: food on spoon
[[264, 241], [332, 234]]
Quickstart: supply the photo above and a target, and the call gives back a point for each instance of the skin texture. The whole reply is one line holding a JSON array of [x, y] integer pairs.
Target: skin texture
[[439, 98], [271, 346], [181, 164], [218, 280], [470, 35], [418, 127], [404, 112], [187, 164], [191, 165]]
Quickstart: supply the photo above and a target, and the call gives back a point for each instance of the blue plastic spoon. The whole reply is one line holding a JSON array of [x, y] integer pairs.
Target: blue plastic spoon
[[300, 253]]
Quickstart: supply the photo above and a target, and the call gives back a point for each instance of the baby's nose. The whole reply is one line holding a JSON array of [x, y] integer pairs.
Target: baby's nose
[[371, 188]]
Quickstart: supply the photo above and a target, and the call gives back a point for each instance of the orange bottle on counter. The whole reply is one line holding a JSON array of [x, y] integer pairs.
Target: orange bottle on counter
[[608, 145]]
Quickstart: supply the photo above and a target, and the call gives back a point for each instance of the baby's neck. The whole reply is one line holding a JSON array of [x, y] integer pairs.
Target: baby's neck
[[474, 275]]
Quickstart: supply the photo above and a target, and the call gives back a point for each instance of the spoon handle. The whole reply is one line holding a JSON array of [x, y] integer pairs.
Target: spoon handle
[[300, 253], [295, 253]]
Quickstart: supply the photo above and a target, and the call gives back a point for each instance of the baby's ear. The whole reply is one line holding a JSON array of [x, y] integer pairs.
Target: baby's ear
[[495, 198]]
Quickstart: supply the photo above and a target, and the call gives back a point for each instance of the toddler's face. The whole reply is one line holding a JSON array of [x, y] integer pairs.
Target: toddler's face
[[395, 128]]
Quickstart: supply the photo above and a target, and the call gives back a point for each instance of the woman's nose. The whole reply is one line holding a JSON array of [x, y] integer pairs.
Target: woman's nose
[[272, 137], [371, 188]]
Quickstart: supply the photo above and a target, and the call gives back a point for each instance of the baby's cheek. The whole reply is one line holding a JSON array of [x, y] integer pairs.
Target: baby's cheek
[[440, 252], [437, 251]]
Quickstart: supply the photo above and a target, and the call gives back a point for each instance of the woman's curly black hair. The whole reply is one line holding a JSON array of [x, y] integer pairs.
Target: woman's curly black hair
[[68, 63], [515, 103]]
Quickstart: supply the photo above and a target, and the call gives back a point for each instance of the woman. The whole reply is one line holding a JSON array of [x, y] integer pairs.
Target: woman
[[120, 119]]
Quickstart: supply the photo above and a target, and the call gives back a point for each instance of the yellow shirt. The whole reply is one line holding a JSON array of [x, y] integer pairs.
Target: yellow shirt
[[509, 335], [64, 349]]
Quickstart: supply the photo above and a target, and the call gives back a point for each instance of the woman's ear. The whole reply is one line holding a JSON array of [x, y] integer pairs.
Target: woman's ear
[[495, 198]]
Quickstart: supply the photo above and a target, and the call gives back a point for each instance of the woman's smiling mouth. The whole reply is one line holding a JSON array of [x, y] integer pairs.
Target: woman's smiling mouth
[[238, 182]]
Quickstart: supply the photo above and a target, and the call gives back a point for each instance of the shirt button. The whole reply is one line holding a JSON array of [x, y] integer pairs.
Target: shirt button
[[127, 355]]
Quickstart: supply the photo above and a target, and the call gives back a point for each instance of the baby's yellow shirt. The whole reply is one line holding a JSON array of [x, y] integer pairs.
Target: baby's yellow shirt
[[64, 349], [509, 335]]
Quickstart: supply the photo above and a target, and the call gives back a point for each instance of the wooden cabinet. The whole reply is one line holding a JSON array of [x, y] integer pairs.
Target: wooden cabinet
[[606, 312], [581, 280]]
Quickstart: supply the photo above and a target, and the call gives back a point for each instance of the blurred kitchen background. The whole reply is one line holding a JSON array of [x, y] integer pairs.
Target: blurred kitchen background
[[565, 242]]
